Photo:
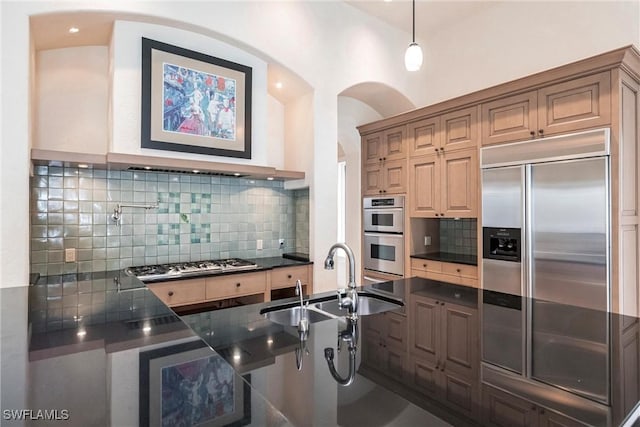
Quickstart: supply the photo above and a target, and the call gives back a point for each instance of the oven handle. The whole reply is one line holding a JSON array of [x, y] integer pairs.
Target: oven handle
[[398, 236]]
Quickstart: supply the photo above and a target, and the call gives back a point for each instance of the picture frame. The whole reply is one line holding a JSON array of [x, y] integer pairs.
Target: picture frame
[[190, 384], [194, 103]]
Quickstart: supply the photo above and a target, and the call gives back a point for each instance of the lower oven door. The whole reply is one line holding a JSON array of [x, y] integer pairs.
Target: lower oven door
[[384, 252]]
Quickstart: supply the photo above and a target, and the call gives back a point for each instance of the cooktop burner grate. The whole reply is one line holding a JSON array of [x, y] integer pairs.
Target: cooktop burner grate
[[191, 268]]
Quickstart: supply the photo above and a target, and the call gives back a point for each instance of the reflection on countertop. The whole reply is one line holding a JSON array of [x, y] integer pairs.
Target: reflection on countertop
[[448, 257]]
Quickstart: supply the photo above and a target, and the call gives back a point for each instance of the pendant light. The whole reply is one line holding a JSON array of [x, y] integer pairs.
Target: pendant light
[[413, 55]]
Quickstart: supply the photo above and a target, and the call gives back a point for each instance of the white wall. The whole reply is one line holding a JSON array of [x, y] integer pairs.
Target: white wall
[[72, 90], [275, 133]]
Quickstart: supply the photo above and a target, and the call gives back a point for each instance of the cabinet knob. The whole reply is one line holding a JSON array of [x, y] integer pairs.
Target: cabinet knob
[[380, 159], [458, 270], [238, 285], [380, 191], [442, 304], [437, 214], [384, 159], [541, 411], [541, 131], [288, 276], [532, 133], [170, 293], [533, 408], [442, 150], [437, 149], [424, 265], [384, 191]]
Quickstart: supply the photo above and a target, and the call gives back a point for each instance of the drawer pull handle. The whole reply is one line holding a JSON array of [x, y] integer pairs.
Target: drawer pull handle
[[170, 293], [458, 270], [288, 276], [424, 265], [238, 285]]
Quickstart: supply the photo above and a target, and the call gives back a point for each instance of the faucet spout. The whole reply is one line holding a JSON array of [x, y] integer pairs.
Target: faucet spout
[[329, 263]]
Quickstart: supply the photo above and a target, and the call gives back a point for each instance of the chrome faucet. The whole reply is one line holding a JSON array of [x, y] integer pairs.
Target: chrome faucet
[[350, 300], [303, 323]]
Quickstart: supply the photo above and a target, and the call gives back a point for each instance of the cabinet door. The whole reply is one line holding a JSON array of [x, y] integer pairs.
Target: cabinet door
[[179, 292], [460, 184], [396, 333], [459, 351], [395, 176], [459, 393], [460, 129], [509, 119], [424, 186], [286, 277], [577, 104], [394, 362], [234, 285], [423, 136], [502, 409], [553, 419], [424, 336], [372, 180], [393, 144], [372, 151], [424, 377]]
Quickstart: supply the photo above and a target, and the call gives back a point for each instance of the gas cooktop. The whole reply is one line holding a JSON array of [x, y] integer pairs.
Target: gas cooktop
[[148, 273]]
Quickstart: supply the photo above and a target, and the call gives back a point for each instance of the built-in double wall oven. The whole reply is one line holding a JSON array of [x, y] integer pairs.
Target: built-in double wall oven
[[384, 234]]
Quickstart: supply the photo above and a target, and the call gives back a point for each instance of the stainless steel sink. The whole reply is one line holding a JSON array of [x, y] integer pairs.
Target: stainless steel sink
[[367, 304], [291, 316]]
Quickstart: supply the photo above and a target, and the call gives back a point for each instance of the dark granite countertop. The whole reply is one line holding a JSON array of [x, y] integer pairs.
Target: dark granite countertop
[[449, 257], [112, 356]]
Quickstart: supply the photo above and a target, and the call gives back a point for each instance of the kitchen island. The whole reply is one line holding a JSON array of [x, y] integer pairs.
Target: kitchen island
[[105, 367]]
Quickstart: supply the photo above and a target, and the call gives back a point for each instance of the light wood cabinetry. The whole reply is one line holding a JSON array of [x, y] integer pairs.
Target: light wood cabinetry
[[385, 343], [384, 162], [459, 274], [214, 288], [565, 107], [179, 292], [440, 134], [444, 185], [235, 285], [444, 352], [502, 409]]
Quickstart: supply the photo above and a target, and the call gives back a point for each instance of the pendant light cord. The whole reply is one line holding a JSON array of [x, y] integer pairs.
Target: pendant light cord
[[414, 22]]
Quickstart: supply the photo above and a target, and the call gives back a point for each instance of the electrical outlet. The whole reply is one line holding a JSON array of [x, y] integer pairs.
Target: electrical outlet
[[259, 244], [70, 255], [281, 243], [427, 240]]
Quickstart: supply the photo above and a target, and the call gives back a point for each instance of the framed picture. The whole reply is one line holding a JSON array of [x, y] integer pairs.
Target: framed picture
[[188, 384], [195, 103]]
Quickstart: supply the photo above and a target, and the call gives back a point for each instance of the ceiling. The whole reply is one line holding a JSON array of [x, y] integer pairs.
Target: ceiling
[[51, 32], [431, 15]]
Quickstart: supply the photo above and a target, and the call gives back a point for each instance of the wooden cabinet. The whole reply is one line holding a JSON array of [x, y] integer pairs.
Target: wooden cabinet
[[444, 352], [440, 134], [385, 177], [459, 274], [384, 162], [179, 292], [502, 409], [384, 145], [570, 106], [235, 285], [385, 343], [286, 277], [444, 185]]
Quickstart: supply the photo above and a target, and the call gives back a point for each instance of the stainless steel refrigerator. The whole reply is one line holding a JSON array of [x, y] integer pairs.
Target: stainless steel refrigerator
[[546, 238]]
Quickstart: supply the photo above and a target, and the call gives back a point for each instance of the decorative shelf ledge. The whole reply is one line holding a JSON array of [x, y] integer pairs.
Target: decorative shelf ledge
[[117, 161]]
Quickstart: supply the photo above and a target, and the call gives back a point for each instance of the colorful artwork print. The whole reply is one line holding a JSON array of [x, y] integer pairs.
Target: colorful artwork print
[[198, 103], [197, 391]]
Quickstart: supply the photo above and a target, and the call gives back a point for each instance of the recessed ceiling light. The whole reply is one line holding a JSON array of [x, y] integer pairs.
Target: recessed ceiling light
[[236, 174], [269, 178], [83, 165], [278, 85], [196, 171], [74, 30], [147, 167]]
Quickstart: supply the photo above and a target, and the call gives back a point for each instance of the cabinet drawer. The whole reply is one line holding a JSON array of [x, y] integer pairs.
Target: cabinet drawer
[[426, 265], [463, 270], [180, 291], [236, 285], [286, 277]]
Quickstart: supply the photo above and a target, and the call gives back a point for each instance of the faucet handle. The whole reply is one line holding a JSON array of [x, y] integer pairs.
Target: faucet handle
[[340, 291]]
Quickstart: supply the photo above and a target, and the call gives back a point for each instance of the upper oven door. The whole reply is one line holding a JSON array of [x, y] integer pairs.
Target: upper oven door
[[384, 252], [384, 220]]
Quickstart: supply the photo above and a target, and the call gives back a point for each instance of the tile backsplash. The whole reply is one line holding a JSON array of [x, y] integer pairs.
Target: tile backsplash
[[198, 217], [459, 236]]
